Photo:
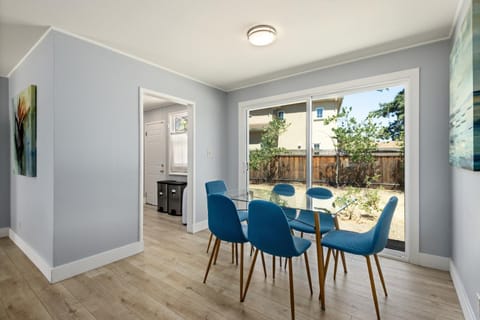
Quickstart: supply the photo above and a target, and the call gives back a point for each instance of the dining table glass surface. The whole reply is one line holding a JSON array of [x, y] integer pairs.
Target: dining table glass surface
[[297, 201]]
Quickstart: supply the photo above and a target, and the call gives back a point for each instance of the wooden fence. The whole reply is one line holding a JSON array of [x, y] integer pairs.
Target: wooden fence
[[388, 169]]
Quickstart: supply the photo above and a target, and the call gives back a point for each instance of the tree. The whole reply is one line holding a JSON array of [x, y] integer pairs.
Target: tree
[[395, 130], [265, 159], [396, 110], [358, 140]]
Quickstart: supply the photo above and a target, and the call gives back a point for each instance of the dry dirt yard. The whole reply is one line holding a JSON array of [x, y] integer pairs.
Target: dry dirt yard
[[397, 229]]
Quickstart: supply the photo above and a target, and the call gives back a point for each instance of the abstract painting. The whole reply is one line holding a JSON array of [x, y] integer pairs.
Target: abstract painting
[[465, 92], [24, 128]]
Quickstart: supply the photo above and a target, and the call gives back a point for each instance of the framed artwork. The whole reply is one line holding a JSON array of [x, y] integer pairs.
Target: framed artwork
[[24, 127], [465, 92]]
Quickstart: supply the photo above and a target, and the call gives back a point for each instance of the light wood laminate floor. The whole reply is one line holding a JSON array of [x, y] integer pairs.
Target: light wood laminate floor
[[165, 282]]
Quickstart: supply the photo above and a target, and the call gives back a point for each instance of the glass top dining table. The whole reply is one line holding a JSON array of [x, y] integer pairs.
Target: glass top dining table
[[296, 201], [300, 202]]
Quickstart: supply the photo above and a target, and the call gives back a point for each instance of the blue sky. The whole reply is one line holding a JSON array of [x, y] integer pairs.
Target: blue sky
[[364, 102]]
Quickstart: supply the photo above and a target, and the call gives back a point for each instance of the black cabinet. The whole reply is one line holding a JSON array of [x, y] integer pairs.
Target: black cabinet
[[170, 194]]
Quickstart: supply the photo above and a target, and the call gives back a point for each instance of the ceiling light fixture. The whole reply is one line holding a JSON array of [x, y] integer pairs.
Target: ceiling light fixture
[[261, 35]]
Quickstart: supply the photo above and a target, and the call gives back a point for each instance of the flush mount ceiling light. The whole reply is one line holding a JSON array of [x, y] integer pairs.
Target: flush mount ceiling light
[[261, 35]]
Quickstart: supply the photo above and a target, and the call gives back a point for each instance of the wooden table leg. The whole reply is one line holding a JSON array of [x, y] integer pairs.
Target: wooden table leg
[[321, 273]]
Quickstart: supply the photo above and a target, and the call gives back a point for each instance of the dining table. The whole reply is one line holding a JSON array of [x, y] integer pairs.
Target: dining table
[[298, 202]]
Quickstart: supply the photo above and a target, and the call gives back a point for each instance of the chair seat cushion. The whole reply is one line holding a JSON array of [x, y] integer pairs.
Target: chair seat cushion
[[305, 223], [289, 212], [301, 244], [349, 241], [243, 215]]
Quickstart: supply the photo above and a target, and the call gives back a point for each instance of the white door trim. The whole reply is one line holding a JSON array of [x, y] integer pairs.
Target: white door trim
[[410, 79], [191, 155]]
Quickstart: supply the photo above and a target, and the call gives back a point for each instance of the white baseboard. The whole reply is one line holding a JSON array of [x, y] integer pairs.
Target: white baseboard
[[4, 232], [432, 261], [467, 308], [199, 226], [62, 272], [74, 268], [38, 261]]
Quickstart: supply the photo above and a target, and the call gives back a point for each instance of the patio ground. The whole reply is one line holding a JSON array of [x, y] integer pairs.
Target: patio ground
[[397, 229]]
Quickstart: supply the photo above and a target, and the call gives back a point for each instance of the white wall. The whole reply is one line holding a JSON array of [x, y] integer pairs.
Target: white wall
[[32, 198], [162, 114], [85, 200], [4, 155], [466, 227], [97, 144], [435, 179]]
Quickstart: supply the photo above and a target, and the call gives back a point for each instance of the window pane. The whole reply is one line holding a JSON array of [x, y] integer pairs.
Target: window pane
[[277, 146], [178, 152]]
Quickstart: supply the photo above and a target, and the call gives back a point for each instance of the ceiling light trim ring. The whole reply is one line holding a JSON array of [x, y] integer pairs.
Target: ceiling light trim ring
[[261, 35]]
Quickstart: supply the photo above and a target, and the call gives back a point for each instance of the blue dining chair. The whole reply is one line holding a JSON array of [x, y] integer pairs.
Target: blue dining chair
[[219, 187], [305, 224], [225, 224], [283, 189], [269, 232], [366, 244]]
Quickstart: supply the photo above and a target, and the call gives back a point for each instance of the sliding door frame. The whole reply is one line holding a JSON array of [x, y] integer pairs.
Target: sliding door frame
[[410, 80]]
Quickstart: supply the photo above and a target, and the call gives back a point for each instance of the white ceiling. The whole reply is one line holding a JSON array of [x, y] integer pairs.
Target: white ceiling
[[206, 40], [151, 102]]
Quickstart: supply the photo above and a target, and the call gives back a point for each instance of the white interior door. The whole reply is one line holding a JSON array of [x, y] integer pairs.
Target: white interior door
[[155, 156]]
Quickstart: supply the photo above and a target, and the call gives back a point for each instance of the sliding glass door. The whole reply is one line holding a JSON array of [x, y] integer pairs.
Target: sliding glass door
[[351, 143]]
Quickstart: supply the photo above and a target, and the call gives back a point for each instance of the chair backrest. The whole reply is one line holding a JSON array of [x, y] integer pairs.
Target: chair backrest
[[284, 189], [215, 186], [223, 220], [382, 228], [320, 193], [268, 229]]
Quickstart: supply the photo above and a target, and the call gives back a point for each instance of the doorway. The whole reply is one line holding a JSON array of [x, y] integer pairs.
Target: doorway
[[166, 154]]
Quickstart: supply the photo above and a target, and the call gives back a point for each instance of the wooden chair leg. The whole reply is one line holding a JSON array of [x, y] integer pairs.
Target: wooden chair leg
[[337, 226], [327, 260], [290, 277], [301, 234], [263, 263], [236, 253], [250, 272], [216, 252], [372, 284], [285, 264], [241, 269], [217, 241], [380, 273], [251, 250], [309, 276], [273, 266], [344, 262], [233, 253], [209, 241], [335, 265]]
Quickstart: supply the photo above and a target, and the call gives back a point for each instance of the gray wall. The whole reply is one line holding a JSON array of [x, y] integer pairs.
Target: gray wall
[[162, 114], [435, 178], [466, 235], [32, 198], [4, 155], [466, 222], [97, 144]]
